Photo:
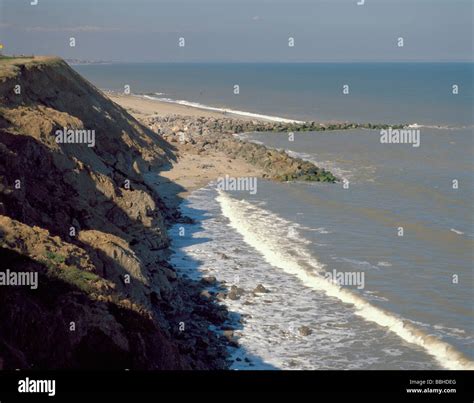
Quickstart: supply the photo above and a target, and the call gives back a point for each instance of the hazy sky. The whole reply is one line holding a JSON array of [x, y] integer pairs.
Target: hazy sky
[[240, 30]]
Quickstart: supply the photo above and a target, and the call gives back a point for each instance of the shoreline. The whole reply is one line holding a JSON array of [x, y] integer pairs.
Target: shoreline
[[141, 107], [145, 103], [204, 145], [192, 170], [225, 111], [204, 167]]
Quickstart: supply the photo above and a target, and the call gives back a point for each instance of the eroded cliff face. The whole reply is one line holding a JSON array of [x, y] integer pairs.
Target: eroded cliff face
[[85, 220]]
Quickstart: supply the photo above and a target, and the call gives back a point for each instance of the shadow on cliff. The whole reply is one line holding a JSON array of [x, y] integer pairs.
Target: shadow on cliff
[[37, 332], [47, 201]]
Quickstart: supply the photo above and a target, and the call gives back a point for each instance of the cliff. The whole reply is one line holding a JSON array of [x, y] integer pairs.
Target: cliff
[[82, 217]]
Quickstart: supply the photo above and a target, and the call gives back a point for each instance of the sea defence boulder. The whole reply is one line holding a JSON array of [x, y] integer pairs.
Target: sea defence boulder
[[208, 135]]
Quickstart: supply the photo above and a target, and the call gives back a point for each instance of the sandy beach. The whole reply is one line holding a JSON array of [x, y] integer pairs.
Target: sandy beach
[[192, 170], [141, 107]]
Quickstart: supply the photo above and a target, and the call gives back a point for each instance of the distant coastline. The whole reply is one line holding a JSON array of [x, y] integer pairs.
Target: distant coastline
[[78, 62]]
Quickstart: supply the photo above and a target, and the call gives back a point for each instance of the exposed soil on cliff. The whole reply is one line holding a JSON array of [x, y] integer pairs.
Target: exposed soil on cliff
[[85, 220]]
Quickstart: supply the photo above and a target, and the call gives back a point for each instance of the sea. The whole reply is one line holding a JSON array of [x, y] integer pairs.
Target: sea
[[372, 272]]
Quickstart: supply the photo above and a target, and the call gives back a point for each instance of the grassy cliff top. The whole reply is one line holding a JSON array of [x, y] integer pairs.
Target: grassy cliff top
[[10, 65]]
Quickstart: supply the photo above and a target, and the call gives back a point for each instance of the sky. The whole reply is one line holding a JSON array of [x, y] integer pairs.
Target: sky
[[240, 30]]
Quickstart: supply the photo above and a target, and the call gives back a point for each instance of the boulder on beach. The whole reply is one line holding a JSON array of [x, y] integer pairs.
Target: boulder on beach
[[205, 294], [260, 289], [220, 296], [235, 292], [209, 280], [304, 330]]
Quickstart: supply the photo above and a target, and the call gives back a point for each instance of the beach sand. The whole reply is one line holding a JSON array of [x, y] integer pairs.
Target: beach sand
[[191, 170], [141, 107]]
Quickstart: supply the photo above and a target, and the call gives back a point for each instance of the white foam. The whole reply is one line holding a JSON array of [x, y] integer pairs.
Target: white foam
[[223, 110], [360, 264], [440, 127], [269, 337], [343, 174], [266, 232]]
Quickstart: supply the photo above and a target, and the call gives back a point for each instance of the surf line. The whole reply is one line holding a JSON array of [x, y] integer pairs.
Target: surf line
[[222, 110], [252, 223]]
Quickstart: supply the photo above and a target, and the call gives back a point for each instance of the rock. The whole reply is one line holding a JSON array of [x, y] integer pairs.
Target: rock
[[209, 280], [237, 289], [185, 220], [235, 292], [230, 337], [233, 295], [170, 274], [205, 294], [260, 289], [221, 296], [304, 330], [206, 166]]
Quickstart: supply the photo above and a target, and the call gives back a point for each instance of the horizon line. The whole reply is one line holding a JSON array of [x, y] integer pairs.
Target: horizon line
[[98, 61]]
